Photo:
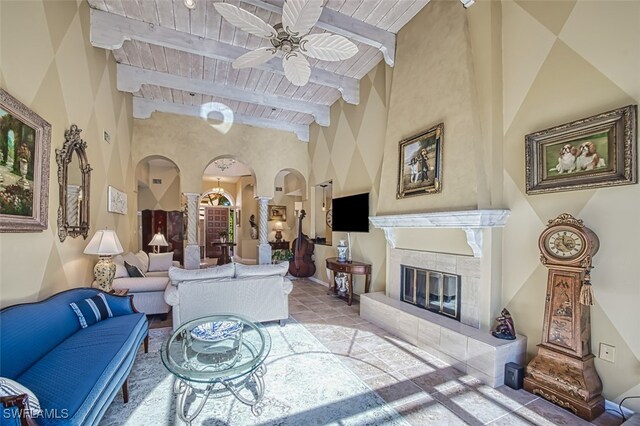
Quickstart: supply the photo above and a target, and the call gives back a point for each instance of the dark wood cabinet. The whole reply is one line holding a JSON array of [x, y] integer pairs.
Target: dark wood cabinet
[[171, 224]]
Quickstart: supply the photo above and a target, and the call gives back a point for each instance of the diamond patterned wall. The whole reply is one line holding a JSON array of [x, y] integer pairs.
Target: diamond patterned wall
[[46, 62], [564, 61], [349, 152]]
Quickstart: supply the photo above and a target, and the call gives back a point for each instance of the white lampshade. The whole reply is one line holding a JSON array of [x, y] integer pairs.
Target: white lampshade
[[278, 226], [297, 205], [158, 240], [104, 243]]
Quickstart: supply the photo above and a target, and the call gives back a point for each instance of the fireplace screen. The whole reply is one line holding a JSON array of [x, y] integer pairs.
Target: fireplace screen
[[436, 291]]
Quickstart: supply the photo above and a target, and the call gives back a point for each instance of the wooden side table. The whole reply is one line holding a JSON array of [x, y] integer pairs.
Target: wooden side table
[[349, 268], [224, 255]]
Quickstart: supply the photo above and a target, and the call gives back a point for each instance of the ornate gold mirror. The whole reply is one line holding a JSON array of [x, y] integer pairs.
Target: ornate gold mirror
[[74, 175]]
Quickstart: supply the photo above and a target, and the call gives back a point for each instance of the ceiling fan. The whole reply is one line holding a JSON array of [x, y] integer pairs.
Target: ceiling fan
[[291, 37]]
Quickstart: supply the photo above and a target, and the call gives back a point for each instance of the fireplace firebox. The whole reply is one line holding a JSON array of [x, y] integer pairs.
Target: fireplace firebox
[[435, 291]]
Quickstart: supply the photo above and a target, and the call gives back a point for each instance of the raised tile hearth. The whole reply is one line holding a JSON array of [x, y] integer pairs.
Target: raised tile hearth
[[471, 350]]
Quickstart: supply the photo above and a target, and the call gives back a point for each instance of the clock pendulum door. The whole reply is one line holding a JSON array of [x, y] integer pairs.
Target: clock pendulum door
[[563, 371]]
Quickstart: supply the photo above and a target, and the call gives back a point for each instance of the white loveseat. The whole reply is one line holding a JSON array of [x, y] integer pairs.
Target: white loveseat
[[147, 291], [258, 292]]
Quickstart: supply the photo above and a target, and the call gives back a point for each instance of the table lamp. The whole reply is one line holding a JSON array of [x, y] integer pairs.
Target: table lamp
[[157, 241], [105, 244], [278, 228]]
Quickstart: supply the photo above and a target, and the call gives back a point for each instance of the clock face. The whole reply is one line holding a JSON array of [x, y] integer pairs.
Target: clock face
[[565, 243], [330, 218]]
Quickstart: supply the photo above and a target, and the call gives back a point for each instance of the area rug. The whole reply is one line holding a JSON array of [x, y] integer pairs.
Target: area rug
[[305, 385]]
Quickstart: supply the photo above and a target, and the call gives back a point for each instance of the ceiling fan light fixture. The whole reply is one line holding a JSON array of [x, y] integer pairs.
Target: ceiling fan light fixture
[[190, 4], [292, 37]]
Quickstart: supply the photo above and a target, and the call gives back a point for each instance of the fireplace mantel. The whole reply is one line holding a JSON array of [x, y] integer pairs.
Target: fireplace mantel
[[471, 221]]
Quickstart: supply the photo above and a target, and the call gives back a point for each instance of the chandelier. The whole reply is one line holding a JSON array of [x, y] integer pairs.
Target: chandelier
[[224, 163], [215, 195]]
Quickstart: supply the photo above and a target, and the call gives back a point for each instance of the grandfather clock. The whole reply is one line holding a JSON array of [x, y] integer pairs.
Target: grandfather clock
[[563, 371]]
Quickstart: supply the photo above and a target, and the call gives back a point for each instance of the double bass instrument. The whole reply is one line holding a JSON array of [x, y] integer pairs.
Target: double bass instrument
[[302, 264]]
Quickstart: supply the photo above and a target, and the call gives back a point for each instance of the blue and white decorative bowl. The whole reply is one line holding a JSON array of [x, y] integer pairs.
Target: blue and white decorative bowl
[[216, 331], [218, 340]]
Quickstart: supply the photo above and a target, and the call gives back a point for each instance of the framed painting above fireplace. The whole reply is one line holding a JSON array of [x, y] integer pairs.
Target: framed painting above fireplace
[[420, 163]]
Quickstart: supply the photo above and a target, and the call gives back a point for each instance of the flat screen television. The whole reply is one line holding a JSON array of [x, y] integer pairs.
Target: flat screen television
[[351, 214]]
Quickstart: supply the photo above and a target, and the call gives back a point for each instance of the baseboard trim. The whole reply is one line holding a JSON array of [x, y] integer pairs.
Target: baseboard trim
[[319, 281]]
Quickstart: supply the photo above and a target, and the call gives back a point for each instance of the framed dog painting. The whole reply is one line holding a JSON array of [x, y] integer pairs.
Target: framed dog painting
[[590, 153], [420, 163]]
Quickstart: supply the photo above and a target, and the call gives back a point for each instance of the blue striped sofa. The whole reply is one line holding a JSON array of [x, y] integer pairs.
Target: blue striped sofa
[[74, 372]]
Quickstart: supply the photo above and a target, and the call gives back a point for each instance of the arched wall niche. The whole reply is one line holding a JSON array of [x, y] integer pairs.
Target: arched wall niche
[[158, 184]]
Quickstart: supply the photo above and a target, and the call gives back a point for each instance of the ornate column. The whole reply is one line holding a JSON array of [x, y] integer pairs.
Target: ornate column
[[191, 246], [264, 249]]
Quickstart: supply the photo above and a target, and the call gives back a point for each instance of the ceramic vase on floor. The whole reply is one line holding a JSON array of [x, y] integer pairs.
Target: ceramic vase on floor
[[341, 282]]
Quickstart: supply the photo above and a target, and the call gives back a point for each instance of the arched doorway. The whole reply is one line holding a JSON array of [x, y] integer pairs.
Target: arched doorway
[[289, 191], [221, 202], [159, 205]]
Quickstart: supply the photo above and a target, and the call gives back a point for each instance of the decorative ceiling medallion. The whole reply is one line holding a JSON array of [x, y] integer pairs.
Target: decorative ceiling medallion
[[224, 163]]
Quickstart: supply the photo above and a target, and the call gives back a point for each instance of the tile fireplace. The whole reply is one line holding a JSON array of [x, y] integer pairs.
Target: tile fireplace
[[443, 302]]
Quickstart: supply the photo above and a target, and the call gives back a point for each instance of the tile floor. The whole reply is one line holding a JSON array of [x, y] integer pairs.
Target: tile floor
[[422, 388]]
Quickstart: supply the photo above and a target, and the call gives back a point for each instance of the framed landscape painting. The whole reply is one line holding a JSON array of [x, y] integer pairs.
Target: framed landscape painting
[[420, 163], [593, 152], [25, 140], [277, 212]]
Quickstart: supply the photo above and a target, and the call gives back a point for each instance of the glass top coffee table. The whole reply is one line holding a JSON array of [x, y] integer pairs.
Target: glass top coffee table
[[217, 356]]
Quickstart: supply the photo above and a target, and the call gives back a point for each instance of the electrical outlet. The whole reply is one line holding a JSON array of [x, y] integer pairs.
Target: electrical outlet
[[607, 352]]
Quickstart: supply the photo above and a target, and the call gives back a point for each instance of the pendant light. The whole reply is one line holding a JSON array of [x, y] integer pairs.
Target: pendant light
[[215, 195], [324, 206]]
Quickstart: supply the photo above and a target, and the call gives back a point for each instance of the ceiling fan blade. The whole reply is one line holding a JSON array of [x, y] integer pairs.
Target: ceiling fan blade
[[327, 47], [254, 58], [245, 21], [296, 68], [299, 16]]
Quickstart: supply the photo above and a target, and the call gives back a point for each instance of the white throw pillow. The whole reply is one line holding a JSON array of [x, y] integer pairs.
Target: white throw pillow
[[121, 271], [160, 261], [178, 275], [140, 260], [10, 387], [243, 271], [144, 260]]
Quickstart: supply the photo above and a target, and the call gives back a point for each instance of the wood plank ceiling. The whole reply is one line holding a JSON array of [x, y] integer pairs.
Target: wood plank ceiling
[[178, 60]]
